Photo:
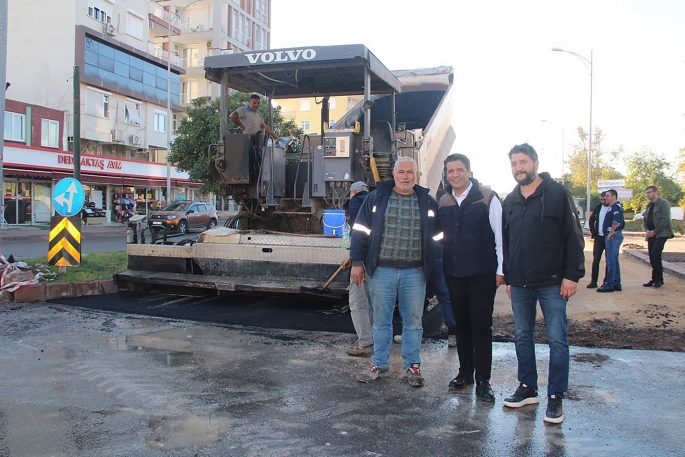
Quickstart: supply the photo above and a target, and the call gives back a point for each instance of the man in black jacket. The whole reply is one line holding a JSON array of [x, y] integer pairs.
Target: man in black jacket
[[392, 246], [543, 261], [598, 239]]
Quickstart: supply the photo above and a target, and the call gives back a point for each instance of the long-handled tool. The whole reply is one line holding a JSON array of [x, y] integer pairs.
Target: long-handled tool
[[321, 291]]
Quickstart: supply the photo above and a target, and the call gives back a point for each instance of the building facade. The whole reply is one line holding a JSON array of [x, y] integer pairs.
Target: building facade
[[132, 91], [306, 112]]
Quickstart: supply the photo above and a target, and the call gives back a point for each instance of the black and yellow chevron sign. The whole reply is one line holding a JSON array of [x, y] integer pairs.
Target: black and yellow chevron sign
[[64, 248]]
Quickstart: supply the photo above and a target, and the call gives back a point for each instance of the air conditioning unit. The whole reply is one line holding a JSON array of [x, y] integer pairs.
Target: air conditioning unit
[[118, 136], [134, 139], [209, 44], [110, 29]]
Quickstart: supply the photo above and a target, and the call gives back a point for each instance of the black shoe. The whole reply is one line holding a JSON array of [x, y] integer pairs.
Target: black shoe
[[484, 391], [524, 395], [658, 283], [617, 288], [555, 410], [592, 285], [460, 381], [648, 284], [606, 288]]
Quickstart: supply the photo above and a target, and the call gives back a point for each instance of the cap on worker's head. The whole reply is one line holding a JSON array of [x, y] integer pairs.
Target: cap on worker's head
[[359, 185]]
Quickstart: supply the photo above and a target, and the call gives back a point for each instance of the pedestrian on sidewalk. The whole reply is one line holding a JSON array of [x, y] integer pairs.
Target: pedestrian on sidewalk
[[471, 218], [657, 223], [543, 261], [612, 227], [597, 237], [392, 243]]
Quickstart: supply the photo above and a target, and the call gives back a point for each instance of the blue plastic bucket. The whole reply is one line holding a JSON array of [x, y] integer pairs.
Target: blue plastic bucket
[[333, 221]]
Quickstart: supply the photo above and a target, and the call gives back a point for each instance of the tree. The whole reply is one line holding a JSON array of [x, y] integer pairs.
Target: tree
[[200, 128], [644, 169], [601, 167]]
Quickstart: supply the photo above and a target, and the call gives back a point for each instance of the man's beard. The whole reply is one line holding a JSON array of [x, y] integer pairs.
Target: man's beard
[[529, 178]]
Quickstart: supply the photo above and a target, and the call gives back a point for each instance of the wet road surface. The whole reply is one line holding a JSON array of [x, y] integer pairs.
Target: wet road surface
[[85, 382]]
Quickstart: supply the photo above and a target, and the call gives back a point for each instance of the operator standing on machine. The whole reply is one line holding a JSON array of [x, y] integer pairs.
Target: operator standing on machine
[[249, 119]]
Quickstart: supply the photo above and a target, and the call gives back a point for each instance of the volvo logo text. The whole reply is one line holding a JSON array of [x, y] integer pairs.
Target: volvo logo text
[[281, 56]]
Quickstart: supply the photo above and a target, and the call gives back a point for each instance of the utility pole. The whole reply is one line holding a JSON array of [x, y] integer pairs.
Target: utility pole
[[77, 124], [3, 82]]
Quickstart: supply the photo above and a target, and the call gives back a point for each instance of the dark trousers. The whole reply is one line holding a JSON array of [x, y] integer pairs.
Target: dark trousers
[[473, 300], [655, 246], [597, 251]]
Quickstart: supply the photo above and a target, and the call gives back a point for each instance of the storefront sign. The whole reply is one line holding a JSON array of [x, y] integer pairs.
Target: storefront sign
[[91, 162]]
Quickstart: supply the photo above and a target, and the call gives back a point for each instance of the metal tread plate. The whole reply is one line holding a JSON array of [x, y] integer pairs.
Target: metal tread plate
[[222, 283]]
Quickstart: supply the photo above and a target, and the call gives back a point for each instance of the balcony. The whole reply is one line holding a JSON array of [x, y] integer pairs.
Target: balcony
[[188, 97], [159, 52], [195, 62], [159, 20]]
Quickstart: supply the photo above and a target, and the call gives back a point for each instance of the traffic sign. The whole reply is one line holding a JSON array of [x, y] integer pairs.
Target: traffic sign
[[68, 197], [611, 183], [64, 249]]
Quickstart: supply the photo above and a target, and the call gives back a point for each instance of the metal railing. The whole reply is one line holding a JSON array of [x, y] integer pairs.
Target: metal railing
[[193, 62], [159, 52]]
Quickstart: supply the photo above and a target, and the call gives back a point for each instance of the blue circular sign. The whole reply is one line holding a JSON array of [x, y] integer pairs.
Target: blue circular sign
[[68, 197]]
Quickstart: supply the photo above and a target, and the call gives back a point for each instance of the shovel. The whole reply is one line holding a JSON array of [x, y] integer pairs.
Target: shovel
[[322, 291]]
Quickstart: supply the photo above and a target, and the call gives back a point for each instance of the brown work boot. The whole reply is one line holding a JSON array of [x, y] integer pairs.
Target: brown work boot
[[359, 351]]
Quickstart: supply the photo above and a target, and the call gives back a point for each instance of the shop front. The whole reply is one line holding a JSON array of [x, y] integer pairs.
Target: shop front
[[115, 188]]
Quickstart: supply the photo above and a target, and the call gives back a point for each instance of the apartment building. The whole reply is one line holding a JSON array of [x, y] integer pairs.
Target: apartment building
[[131, 93], [306, 112]]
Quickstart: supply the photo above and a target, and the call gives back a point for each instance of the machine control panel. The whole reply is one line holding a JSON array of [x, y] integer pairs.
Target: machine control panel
[[336, 146]]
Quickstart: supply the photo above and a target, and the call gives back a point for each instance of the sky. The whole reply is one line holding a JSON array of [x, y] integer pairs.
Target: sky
[[508, 80]]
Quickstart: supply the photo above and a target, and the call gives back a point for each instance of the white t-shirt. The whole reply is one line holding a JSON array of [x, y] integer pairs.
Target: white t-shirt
[[602, 215]]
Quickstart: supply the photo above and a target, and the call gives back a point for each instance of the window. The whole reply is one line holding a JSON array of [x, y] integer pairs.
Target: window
[[261, 10], [100, 10], [160, 121], [14, 127], [304, 125], [135, 25], [331, 103], [97, 103], [49, 133], [191, 58], [132, 112], [331, 123], [305, 105]]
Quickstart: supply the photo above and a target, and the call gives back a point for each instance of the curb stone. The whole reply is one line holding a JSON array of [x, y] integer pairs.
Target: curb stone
[[47, 291]]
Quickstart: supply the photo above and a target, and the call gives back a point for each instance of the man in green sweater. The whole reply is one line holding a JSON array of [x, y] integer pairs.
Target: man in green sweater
[[657, 222]]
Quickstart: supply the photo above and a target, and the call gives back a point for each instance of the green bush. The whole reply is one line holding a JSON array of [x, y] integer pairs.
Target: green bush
[[636, 226]]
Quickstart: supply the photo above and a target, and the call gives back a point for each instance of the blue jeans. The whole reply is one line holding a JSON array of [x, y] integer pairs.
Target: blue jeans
[[438, 286], [408, 286], [523, 304], [613, 268]]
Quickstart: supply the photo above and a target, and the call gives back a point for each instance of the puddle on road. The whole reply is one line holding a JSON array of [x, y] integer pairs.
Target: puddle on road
[[597, 360], [184, 345], [190, 432]]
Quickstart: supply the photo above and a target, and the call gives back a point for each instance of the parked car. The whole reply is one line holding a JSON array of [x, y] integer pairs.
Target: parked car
[[639, 215], [181, 216]]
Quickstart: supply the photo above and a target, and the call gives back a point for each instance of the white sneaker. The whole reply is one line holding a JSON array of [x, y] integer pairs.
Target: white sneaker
[[452, 341], [397, 339]]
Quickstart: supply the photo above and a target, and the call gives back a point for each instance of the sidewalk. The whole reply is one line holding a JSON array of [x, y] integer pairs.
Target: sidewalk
[[17, 232]]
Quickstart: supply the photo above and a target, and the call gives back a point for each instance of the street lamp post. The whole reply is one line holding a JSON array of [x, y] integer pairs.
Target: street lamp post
[[586, 62], [168, 101]]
